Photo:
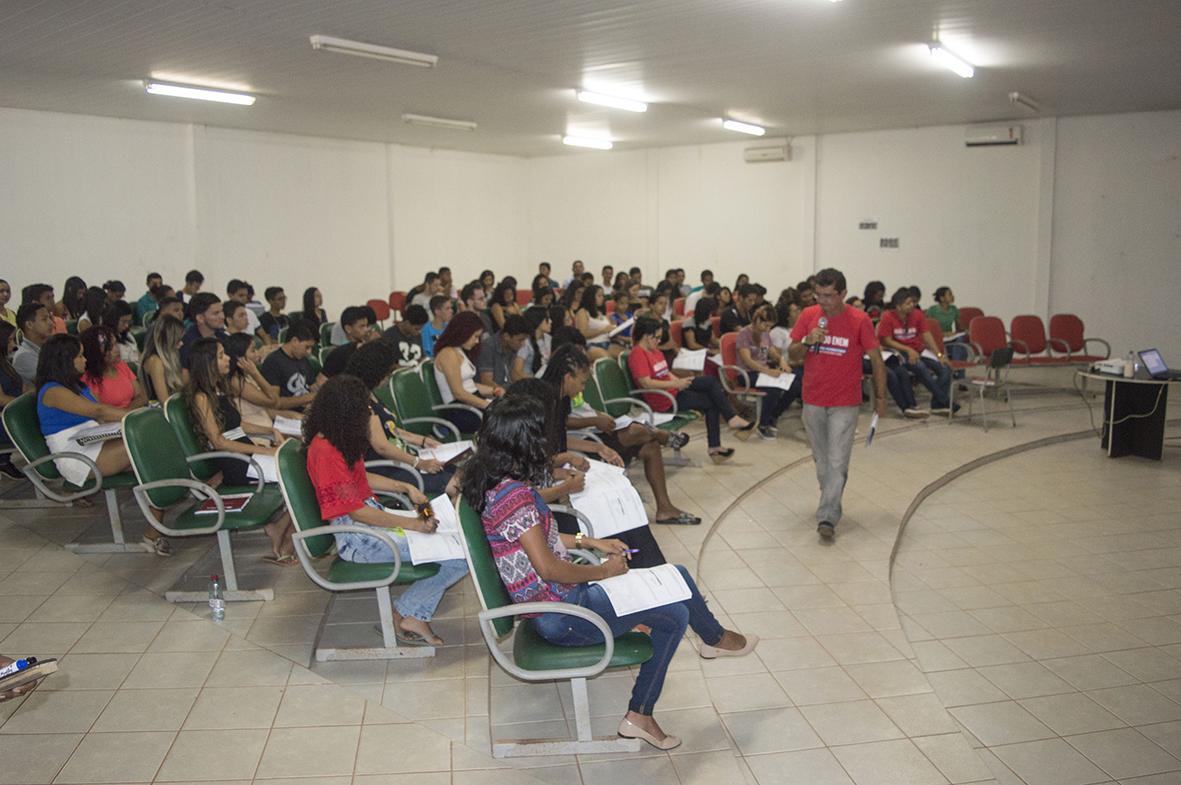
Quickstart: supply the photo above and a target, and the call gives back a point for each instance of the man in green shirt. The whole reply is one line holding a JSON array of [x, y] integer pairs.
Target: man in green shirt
[[147, 303], [944, 310]]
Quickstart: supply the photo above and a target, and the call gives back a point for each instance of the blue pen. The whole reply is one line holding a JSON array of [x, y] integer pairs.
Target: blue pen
[[18, 666], [632, 550]]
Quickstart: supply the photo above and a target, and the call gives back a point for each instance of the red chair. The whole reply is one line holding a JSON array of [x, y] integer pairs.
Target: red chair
[[1028, 334], [381, 308], [610, 307], [1067, 329], [676, 332], [397, 302], [715, 324], [964, 320], [679, 306], [524, 296], [936, 331], [735, 379], [987, 334]]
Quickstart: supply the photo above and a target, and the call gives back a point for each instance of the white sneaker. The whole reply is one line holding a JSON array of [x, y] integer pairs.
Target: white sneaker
[[917, 414]]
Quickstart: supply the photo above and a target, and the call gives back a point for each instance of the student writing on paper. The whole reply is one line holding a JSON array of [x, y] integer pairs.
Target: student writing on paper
[[336, 435], [759, 357], [217, 423], [534, 564]]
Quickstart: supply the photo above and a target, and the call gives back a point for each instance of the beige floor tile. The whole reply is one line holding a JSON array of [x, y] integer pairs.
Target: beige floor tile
[[793, 653], [831, 621], [708, 768], [963, 687], [1049, 762], [1089, 672], [292, 752], [954, 757], [918, 715], [189, 636], [1103, 637], [745, 693], [1124, 753], [437, 778], [701, 730], [815, 767], [70, 607], [768, 624], [319, 705], [146, 710], [1071, 714], [858, 647], [819, 685], [1007, 619], [252, 668], [1025, 679], [1046, 644], [884, 679], [398, 749], [45, 638], [654, 771], [1166, 734], [232, 708], [983, 650], [770, 730], [853, 722], [115, 637], [34, 760], [426, 699], [935, 656], [90, 672], [213, 754], [170, 670], [888, 763], [69, 711], [1004, 722], [1137, 704], [1146, 664], [116, 758]]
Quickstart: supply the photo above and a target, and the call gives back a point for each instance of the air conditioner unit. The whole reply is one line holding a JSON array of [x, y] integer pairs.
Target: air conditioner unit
[[759, 155], [992, 136]]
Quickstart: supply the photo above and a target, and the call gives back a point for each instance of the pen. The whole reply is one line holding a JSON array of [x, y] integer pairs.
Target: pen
[[632, 550]]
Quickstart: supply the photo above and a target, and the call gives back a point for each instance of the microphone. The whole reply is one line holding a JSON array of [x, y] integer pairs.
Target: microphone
[[822, 323]]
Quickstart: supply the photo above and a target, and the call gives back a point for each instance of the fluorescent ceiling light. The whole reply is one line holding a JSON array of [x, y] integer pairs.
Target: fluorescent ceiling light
[[952, 63], [1024, 100], [585, 141], [347, 47], [743, 128], [199, 93], [628, 104], [438, 122]]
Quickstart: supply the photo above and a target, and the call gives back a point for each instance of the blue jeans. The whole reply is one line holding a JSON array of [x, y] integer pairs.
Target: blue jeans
[[898, 383], [935, 376], [421, 598], [667, 622]]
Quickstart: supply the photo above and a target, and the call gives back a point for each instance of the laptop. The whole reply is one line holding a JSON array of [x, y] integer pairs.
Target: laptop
[[1156, 366]]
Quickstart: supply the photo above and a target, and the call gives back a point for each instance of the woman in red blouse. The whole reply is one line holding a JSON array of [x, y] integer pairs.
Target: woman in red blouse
[[110, 380]]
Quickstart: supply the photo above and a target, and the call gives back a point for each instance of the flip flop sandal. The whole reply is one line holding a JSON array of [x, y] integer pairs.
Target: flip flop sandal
[[288, 560], [684, 519], [405, 637]]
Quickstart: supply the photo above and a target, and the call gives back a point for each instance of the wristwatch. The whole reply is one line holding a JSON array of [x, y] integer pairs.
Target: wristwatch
[[578, 540]]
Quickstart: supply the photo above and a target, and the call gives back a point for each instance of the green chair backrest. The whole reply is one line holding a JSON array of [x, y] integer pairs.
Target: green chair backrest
[[326, 333], [324, 352], [427, 372], [623, 366], [282, 335], [489, 587], [72, 326], [20, 420], [150, 317], [176, 410], [410, 401], [156, 454], [592, 394], [317, 366], [300, 494], [140, 335], [612, 383]]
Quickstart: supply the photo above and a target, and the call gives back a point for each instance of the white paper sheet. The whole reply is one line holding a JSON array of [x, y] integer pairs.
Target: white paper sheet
[[622, 326], [644, 588], [443, 543], [873, 429], [445, 452], [690, 360], [783, 380], [609, 500], [930, 355], [270, 470], [716, 359], [289, 426]]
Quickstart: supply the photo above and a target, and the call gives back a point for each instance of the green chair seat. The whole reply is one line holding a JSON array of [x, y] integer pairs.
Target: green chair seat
[[342, 571], [534, 653], [258, 511]]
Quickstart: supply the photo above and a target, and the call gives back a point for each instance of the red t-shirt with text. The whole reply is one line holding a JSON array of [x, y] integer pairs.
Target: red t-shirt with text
[[650, 365], [832, 374], [910, 334]]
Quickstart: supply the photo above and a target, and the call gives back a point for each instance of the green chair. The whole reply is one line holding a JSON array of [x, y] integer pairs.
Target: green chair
[[611, 391], [322, 354], [534, 659], [165, 481], [313, 538], [326, 333], [72, 326], [150, 317], [20, 420], [412, 405], [426, 372], [140, 334]]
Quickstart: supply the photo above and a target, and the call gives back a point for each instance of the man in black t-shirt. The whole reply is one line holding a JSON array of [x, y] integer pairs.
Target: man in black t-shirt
[[355, 323], [289, 369], [407, 334], [737, 315]]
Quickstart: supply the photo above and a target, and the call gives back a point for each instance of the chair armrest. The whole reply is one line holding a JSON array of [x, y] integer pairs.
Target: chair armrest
[[197, 488], [672, 398], [633, 402], [590, 557], [30, 470], [237, 456], [1059, 345], [504, 661], [1019, 344], [459, 407], [305, 556], [398, 465], [587, 434], [398, 497], [726, 381], [584, 523], [1106, 346], [437, 422]]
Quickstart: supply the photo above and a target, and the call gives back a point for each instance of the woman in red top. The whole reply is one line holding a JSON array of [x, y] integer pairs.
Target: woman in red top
[[111, 381], [649, 368]]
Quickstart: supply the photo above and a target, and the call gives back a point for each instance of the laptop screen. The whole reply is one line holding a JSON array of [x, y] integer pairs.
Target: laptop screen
[[1153, 362]]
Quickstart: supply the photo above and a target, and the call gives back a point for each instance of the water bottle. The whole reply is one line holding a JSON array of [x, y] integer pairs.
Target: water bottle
[[217, 601], [1130, 365]]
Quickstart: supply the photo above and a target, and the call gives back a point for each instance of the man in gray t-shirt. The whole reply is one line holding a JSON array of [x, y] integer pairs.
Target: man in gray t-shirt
[[497, 350], [36, 324]]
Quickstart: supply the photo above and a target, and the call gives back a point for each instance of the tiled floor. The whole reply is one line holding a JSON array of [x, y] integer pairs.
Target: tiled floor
[[1018, 639]]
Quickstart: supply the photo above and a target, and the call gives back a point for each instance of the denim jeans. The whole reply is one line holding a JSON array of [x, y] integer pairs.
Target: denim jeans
[[667, 622], [776, 400], [831, 430], [706, 395], [935, 376], [421, 598]]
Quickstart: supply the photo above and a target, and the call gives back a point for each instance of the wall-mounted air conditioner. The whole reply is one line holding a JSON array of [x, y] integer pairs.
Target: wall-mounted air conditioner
[[760, 155], [992, 135]]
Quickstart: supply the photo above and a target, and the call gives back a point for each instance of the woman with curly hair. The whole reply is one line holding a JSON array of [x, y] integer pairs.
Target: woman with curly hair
[[109, 378], [504, 301], [511, 462], [456, 353], [337, 434]]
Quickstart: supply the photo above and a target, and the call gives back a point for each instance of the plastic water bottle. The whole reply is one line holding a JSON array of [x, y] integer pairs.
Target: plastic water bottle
[[217, 600], [1130, 365]]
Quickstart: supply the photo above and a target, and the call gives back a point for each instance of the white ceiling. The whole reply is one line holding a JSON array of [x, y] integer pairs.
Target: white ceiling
[[796, 66]]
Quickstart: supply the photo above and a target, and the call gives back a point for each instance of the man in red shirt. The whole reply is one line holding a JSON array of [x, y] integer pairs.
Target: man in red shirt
[[903, 330], [830, 338]]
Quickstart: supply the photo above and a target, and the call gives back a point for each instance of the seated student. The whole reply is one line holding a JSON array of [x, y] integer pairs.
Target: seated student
[[756, 355], [786, 313], [337, 431], [456, 355], [441, 310], [110, 380], [274, 320], [697, 292], [725, 299], [6, 313], [696, 330], [118, 317], [160, 369], [738, 315], [236, 318], [36, 327], [874, 300], [650, 371], [422, 294], [916, 294], [242, 291], [96, 303], [487, 281], [43, 293], [656, 309], [313, 312], [622, 283], [625, 309], [209, 321], [572, 299], [149, 300], [373, 364], [594, 323], [171, 305], [115, 290], [407, 336], [256, 398], [472, 298], [543, 298], [358, 329], [499, 350], [534, 353], [66, 406], [289, 369], [903, 330], [73, 302], [194, 280], [11, 385], [504, 301], [218, 426], [568, 373], [501, 483], [944, 310]]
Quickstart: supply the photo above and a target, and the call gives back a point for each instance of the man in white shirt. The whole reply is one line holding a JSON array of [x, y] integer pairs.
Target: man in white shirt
[[576, 270]]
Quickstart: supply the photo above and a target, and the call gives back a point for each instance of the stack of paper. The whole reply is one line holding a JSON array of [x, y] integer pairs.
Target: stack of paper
[[609, 500], [445, 452], [443, 543], [783, 380], [641, 589], [690, 360]]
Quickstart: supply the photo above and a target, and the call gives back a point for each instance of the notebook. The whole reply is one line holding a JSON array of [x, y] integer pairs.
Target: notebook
[[289, 426], [644, 588], [99, 433], [447, 453]]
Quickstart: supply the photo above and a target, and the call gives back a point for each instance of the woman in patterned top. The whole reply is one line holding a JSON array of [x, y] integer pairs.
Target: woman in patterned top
[[532, 559]]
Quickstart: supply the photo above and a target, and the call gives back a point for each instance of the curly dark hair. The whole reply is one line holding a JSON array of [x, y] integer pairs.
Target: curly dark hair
[[340, 413], [512, 445], [507, 286], [96, 343], [373, 362], [549, 395], [55, 363]]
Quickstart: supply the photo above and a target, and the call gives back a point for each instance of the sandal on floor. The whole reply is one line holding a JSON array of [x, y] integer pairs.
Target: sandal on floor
[[744, 432], [406, 637], [684, 519], [678, 440], [722, 456], [287, 560], [159, 546]]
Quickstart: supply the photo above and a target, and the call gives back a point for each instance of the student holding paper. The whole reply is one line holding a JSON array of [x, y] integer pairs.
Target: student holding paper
[[759, 358], [337, 432], [534, 563], [903, 329]]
